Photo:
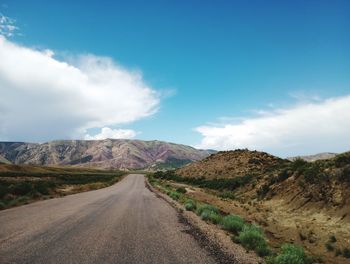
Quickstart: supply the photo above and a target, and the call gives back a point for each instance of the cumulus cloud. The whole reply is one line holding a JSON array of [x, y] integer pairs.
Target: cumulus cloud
[[107, 132], [43, 98], [7, 26], [303, 129]]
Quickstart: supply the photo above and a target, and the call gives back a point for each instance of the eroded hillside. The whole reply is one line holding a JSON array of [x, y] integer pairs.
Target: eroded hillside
[[307, 203], [108, 153]]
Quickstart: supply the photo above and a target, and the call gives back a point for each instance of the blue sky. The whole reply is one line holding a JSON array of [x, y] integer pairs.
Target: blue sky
[[214, 63]]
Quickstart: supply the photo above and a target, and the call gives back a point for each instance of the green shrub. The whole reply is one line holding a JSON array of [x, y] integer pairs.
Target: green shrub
[[298, 164], [207, 207], [263, 250], [181, 190], [290, 254], [211, 216], [252, 237], [311, 173], [174, 195], [190, 205], [232, 223]]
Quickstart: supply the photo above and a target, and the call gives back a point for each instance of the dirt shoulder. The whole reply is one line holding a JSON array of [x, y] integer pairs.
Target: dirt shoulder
[[215, 240]]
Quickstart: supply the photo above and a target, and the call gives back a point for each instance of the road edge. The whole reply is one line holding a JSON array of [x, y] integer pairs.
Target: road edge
[[213, 239]]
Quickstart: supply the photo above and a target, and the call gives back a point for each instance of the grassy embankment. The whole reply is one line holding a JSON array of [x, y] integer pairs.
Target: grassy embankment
[[24, 184], [248, 234]]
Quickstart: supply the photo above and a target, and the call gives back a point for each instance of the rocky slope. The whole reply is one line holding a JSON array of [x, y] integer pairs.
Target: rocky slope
[[229, 164], [109, 153]]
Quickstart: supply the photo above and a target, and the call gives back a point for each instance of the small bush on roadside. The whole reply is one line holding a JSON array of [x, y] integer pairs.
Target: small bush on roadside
[[252, 237], [190, 205], [232, 223], [290, 254], [174, 195], [207, 207], [263, 250], [211, 216]]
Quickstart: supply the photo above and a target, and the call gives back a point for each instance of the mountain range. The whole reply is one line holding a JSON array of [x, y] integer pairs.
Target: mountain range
[[105, 154]]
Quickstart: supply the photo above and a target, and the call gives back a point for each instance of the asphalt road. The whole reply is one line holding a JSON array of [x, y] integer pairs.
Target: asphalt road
[[124, 223]]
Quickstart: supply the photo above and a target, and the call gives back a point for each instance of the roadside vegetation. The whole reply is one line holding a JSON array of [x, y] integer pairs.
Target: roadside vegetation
[[249, 235], [215, 184], [24, 184]]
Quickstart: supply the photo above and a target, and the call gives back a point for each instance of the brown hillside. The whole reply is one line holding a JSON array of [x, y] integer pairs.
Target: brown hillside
[[229, 164], [301, 202], [104, 154]]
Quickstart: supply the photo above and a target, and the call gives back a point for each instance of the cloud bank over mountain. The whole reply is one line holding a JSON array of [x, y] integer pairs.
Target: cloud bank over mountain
[[44, 98]]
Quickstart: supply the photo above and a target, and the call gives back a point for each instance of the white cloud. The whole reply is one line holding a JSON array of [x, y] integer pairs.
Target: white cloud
[[43, 98], [303, 129], [7, 26], [107, 132]]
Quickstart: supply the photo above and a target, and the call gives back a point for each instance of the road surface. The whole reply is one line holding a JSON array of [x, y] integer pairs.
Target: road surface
[[123, 223]]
